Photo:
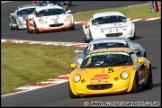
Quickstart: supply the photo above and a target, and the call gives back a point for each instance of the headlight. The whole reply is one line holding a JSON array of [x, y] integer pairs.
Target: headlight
[[68, 18], [21, 18], [124, 75], [77, 78], [79, 60], [41, 21]]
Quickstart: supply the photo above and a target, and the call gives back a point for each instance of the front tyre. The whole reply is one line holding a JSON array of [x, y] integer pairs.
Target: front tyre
[[149, 80], [145, 54], [135, 87], [134, 36], [71, 93], [73, 27], [27, 27], [11, 24], [36, 31]]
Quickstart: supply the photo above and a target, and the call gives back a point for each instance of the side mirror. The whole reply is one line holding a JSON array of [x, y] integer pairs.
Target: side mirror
[[129, 19], [31, 16], [73, 65], [141, 60], [68, 11], [78, 51], [85, 23]]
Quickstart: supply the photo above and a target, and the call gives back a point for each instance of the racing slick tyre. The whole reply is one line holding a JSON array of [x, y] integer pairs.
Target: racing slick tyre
[[10, 24], [149, 81], [27, 27], [71, 93], [145, 54], [73, 27], [134, 36], [36, 31], [16, 25], [90, 35], [84, 38], [135, 87]]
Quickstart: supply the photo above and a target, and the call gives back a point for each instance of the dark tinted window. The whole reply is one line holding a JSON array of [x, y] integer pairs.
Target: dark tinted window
[[25, 11]]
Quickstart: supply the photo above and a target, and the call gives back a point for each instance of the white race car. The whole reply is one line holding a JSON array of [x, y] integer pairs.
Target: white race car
[[108, 24], [17, 18], [49, 18]]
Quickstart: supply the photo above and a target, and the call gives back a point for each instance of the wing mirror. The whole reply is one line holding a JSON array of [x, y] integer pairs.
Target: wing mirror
[[73, 65], [141, 60], [31, 16], [78, 51], [68, 11]]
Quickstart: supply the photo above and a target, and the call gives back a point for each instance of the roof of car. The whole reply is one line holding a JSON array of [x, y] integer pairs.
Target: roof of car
[[127, 50], [99, 14], [48, 7], [109, 38]]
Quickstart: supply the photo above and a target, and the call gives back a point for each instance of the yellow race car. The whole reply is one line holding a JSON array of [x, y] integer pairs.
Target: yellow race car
[[108, 71]]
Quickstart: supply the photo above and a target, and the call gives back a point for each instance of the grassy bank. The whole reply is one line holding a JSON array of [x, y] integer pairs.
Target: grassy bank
[[134, 12], [27, 64]]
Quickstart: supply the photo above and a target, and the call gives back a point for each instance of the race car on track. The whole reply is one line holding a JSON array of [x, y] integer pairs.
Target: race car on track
[[49, 18], [108, 24], [110, 71], [115, 42], [17, 19]]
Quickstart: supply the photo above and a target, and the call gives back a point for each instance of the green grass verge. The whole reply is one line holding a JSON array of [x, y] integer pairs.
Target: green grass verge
[[134, 12], [27, 64]]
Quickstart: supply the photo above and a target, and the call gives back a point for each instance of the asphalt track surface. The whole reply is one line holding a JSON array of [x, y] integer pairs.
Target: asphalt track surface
[[148, 35]]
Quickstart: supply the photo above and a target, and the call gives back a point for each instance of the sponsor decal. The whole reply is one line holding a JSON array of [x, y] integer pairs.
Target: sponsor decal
[[115, 27], [100, 77]]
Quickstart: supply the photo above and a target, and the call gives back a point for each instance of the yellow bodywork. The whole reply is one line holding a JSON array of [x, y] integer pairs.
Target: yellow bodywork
[[106, 80]]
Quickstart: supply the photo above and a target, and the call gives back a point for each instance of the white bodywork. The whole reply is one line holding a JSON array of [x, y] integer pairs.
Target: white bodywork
[[108, 28], [17, 19], [50, 22]]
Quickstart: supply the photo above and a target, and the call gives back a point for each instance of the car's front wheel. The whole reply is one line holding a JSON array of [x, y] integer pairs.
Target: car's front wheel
[[134, 36], [27, 27], [71, 93], [36, 31], [16, 25], [149, 80], [73, 27], [11, 24], [145, 54], [135, 87]]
